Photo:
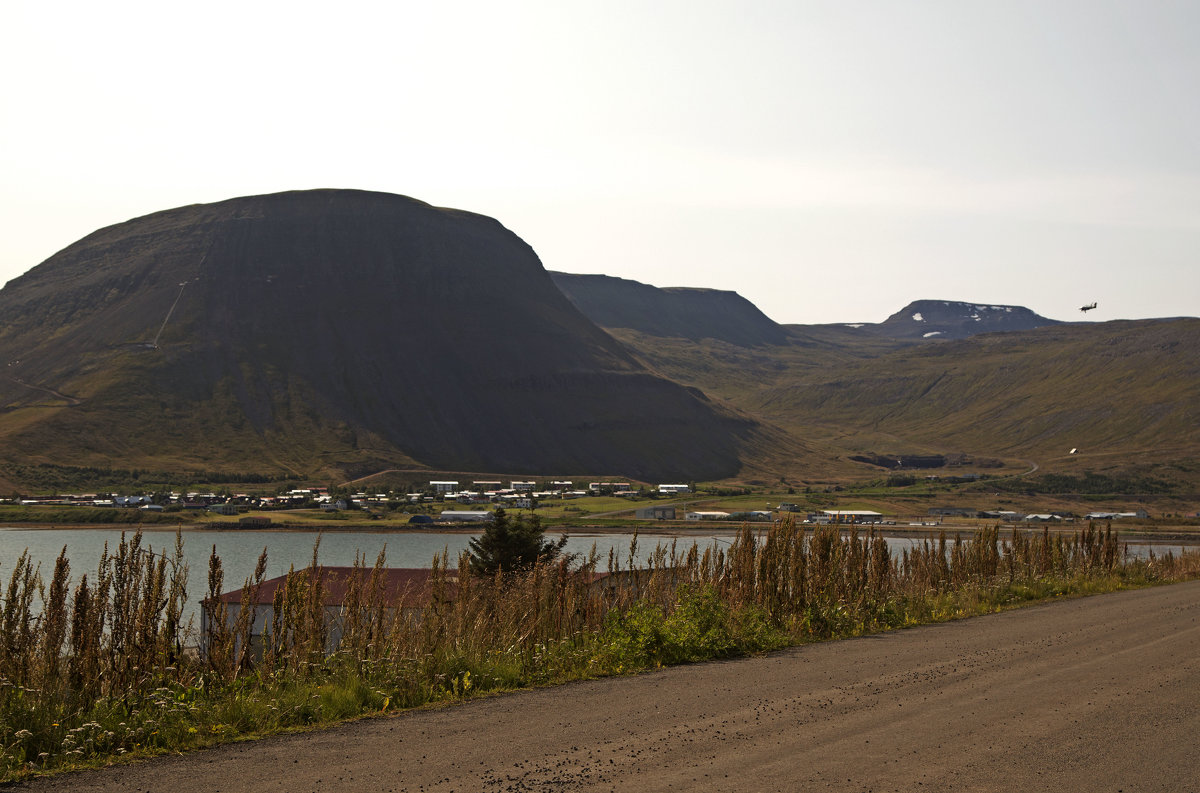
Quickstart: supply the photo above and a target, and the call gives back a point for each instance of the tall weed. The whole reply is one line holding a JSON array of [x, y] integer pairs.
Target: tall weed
[[99, 668]]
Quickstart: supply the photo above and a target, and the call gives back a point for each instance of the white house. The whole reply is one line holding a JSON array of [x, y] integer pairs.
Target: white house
[[853, 515], [444, 487], [757, 515], [706, 516], [674, 489], [597, 488]]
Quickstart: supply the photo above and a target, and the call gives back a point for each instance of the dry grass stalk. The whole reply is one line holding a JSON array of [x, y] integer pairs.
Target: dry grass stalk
[[119, 634]]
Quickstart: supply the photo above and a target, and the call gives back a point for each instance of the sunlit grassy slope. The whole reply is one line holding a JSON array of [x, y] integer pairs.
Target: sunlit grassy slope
[[1125, 395]]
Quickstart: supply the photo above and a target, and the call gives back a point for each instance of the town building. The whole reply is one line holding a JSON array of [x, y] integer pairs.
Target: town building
[[655, 513], [465, 516], [409, 589], [845, 516], [953, 512]]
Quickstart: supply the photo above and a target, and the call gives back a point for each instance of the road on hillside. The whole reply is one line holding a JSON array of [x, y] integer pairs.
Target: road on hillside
[[1094, 694]]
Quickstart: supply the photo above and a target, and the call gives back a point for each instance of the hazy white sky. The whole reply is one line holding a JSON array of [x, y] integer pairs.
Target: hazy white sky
[[830, 161]]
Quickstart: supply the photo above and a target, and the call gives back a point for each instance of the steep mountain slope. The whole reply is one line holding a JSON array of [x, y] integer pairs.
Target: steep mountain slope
[[332, 330], [952, 319], [674, 312]]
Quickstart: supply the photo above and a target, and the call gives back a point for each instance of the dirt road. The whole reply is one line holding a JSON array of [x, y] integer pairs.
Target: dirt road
[[1097, 694]]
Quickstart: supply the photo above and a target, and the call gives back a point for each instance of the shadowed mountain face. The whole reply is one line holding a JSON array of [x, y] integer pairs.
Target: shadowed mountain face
[[678, 312], [950, 319], [331, 330]]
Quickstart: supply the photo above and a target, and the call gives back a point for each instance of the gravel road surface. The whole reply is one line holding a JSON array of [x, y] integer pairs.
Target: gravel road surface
[[1095, 694]]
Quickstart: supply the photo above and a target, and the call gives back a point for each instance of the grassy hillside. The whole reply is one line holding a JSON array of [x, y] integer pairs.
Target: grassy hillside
[[1125, 395]]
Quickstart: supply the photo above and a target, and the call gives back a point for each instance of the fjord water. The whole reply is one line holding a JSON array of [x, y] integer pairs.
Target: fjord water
[[239, 549]]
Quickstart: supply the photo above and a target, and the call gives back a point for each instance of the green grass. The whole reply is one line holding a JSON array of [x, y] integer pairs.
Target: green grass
[[68, 515], [1119, 391]]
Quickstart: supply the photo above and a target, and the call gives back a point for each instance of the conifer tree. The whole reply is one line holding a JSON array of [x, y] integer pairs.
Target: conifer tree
[[511, 544]]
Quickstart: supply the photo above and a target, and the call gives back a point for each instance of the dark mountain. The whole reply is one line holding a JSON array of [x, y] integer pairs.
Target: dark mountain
[[675, 312], [331, 330], [952, 319]]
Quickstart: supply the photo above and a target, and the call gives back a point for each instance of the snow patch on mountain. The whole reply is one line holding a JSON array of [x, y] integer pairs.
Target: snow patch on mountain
[[959, 320]]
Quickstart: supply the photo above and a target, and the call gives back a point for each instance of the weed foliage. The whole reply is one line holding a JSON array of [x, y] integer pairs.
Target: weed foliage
[[100, 666]]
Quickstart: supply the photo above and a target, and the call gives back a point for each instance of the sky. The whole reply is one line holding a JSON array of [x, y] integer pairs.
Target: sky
[[830, 161]]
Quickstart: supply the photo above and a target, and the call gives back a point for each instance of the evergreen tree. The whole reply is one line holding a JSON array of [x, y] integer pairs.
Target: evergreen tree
[[509, 544]]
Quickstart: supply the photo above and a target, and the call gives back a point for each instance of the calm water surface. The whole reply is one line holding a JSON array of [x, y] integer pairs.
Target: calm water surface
[[239, 549]]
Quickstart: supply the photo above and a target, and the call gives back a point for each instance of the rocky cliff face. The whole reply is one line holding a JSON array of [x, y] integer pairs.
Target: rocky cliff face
[[331, 330]]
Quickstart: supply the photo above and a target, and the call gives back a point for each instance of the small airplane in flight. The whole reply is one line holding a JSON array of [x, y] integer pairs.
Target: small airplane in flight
[[1087, 308]]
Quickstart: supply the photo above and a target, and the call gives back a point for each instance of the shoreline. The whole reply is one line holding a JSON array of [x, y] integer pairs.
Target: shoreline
[[1173, 535]]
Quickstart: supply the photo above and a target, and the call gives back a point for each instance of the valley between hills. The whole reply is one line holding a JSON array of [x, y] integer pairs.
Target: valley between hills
[[332, 336]]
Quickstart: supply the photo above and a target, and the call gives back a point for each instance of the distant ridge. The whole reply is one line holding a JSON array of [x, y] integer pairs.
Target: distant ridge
[[674, 312], [328, 331], [954, 319]]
